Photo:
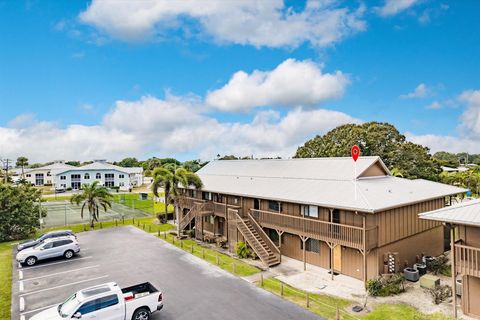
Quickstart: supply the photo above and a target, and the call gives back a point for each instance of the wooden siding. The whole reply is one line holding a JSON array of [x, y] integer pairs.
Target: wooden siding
[[374, 171], [399, 223], [429, 242], [470, 296]]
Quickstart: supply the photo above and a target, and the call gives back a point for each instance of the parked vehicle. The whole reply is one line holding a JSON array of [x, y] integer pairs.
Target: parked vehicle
[[107, 302], [49, 248], [48, 235]]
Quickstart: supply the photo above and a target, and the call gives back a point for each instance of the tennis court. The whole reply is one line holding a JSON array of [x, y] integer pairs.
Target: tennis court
[[62, 213]]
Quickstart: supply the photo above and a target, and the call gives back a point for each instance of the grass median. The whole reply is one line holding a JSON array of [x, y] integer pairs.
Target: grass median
[[326, 306], [5, 279], [224, 261]]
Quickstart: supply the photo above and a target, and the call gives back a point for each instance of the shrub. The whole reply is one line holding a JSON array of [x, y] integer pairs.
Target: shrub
[[386, 285], [439, 266], [441, 293], [242, 250]]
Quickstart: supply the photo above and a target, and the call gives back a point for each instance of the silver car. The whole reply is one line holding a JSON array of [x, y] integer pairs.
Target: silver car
[[65, 247]]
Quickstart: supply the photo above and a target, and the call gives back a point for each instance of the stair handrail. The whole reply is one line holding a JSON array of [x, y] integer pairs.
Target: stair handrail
[[262, 233], [240, 220]]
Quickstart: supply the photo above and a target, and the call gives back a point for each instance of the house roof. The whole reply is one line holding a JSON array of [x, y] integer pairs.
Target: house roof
[[465, 213], [327, 182], [104, 166], [54, 167]]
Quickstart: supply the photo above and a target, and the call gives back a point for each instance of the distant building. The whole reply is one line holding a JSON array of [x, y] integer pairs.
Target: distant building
[[64, 176], [459, 169]]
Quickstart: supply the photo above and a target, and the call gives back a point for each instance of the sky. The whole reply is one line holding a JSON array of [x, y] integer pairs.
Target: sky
[[83, 80]]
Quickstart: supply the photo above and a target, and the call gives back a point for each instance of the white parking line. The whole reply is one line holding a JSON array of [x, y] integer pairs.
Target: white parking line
[[38, 309], [61, 286], [20, 274], [57, 273], [19, 265], [20, 286], [22, 304], [22, 317], [51, 264]]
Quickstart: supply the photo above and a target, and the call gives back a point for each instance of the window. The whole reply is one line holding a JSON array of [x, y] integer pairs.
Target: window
[[256, 204], [311, 245], [109, 176], [109, 184], [63, 177], [98, 176], [206, 196], [275, 206], [61, 243], [88, 307], [28, 175], [310, 211], [107, 301], [122, 184], [75, 177], [121, 176], [49, 174], [48, 245], [86, 176]]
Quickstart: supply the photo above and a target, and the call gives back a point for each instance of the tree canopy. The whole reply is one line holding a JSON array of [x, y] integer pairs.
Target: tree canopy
[[374, 139], [19, 211], [129, 163]]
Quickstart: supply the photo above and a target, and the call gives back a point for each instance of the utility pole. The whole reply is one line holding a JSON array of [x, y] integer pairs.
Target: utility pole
[[6, 165]]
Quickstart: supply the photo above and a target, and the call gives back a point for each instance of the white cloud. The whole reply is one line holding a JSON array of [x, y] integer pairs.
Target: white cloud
[[251, 22], [421, 91], [470, 119], [22, 121], [468, 128], [169, 127], [392, 7], [291, 83], [434, 105]]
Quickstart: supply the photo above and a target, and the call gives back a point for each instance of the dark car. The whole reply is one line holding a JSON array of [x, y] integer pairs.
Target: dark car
[[48, 235]]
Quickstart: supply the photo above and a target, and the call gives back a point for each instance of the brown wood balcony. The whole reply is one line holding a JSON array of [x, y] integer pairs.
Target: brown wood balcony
[[467, 260], [345, 235], [210, 207]]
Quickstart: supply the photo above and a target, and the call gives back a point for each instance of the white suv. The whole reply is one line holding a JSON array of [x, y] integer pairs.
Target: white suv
[[50, 248]]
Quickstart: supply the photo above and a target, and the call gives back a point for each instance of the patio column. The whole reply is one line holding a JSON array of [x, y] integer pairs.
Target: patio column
[[280, 233]]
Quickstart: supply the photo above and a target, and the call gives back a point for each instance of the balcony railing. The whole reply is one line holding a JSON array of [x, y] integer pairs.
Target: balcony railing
[[467, 260], [345, 235]]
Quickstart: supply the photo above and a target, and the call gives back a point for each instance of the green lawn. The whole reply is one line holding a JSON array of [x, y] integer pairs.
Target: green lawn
[[325, 306], [226, 262], [5, 279]]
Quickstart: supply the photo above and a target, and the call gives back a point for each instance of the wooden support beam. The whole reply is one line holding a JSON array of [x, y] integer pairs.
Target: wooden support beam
[[454, 271], [304, 240], [332, 246], [364, 251], [280, 233]]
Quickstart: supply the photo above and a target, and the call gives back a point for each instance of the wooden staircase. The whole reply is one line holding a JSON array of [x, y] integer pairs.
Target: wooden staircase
[[259, 241], [185, 221]]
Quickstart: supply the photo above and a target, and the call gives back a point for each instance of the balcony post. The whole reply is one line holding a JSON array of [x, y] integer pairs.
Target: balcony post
[[454, 271], [304, 240]]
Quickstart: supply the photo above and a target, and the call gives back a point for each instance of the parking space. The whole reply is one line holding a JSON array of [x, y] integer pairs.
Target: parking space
[[192, 288]]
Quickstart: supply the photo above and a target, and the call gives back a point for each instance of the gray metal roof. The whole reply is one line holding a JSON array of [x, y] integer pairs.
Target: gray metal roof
[[327, 182], [465, 213]]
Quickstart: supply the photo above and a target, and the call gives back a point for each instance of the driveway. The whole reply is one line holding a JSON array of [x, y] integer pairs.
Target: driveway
[[192, 288]]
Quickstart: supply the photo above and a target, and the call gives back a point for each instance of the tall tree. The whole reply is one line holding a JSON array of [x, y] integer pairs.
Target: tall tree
[[129, 162], [170, 180], [374, 139], [93, 197], [20, 211], [22, 162]]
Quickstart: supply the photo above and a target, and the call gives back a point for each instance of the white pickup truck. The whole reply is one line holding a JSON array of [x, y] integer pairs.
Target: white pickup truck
[[107, 302]]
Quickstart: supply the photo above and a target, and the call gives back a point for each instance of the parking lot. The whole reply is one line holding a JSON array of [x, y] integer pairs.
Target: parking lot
[[192, 288]]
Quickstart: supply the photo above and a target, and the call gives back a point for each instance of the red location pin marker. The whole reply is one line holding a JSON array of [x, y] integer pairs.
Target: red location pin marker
[[355, 152]]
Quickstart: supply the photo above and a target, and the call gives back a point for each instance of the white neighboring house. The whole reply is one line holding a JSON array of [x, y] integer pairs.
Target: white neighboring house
[[108, 174], [45, 175]]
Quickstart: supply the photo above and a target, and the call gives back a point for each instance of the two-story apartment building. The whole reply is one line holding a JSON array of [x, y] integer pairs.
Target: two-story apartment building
[[360, 221], [464, 220], [107, 174]]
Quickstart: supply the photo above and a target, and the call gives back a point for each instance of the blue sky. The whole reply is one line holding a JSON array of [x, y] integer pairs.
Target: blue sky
[[91, 79]]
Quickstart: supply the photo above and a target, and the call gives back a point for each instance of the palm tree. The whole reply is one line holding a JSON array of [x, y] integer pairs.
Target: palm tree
[[22, 162], [93, 197], [396, 172], [171, 179]]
